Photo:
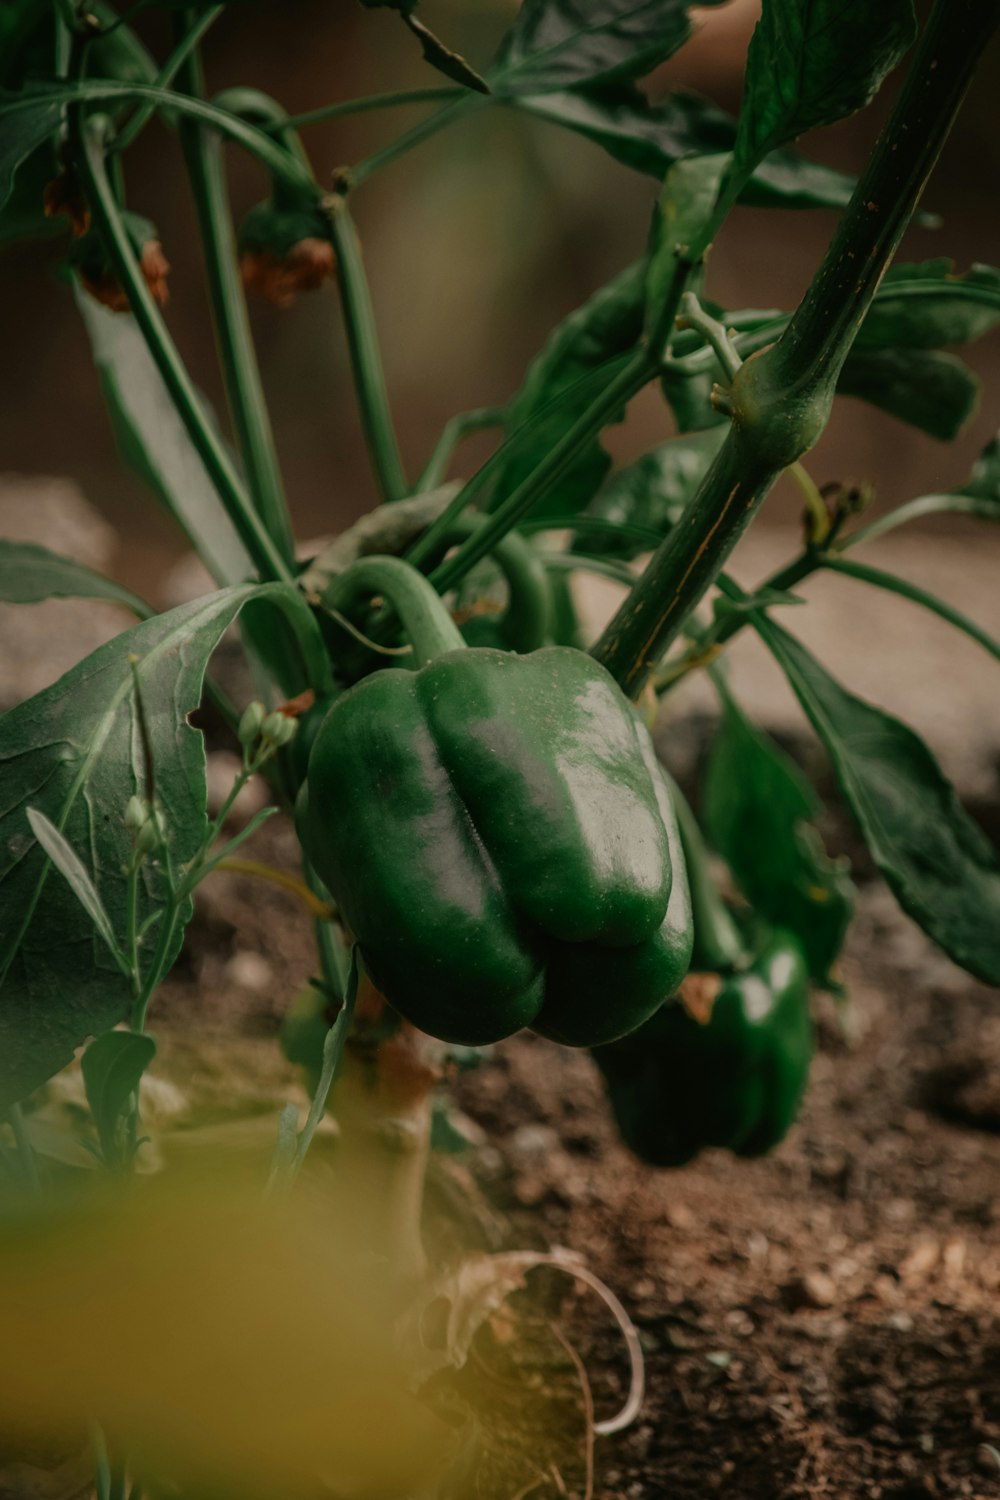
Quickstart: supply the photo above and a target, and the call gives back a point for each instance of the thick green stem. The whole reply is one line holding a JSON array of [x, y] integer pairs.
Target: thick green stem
[[90, 164], [366, 360], [781, 397], [426, 623], [203, 156]]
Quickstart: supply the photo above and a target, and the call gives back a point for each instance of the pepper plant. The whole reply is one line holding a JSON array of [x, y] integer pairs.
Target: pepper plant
[[488, 841]]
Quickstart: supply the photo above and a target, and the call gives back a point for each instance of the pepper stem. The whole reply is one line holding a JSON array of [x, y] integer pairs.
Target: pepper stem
[[426, 623]]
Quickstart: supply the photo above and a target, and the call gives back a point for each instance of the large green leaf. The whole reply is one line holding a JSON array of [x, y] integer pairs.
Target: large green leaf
[[650, 493], [76, 753], [154, 442], [564, 44], [29, 574], [939, 864], [933, 391], [926, 306], [759, 812], [811, 62], [608, 324], [651, 137], [23, 133]]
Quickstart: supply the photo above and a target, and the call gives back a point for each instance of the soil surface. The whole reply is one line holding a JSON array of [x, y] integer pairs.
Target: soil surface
[[822, 1322]]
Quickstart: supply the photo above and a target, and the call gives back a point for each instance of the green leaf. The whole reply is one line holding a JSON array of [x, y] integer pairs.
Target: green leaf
[[566, 44], [23, 131], [651, 493], [608, 324], [933, 391], [939, 864], [811, 62], [76, 753], [650, 137], [112, 1068], [927, 306], [29, 574], [153, 440], [71, 868], [759, 812], [681, 225]]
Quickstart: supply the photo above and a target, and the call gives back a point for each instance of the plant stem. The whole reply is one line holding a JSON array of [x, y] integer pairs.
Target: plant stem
[[915, 510], [279, 162], [628, 382], [363, 169], [906, 590], [90, 163], [165, 77], [203, 156], [391, 100], [781, 397], [333, 1051], [366, 360], [454, 430]]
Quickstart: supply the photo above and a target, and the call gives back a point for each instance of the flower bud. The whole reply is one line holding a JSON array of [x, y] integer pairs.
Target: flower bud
[[89, 259], [250, 724], [278, 729], [284, 251]]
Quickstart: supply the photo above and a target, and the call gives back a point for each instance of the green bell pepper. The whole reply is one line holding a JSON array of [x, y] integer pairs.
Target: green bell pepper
[[733, 1078], [496, 833], [727, 1063]]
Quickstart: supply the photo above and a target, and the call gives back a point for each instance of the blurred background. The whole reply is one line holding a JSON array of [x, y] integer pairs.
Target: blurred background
[[476, 245]]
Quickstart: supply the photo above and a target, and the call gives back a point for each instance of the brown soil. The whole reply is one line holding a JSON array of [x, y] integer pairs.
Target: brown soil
[[819, 1323]]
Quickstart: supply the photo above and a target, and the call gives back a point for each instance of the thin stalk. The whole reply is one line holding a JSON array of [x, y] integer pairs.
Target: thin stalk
[[107, 218], [781, 398], [394, 99], [915, 510], [366, 358], [203, 156], [364, 169], [425, 547], [916, 595], [165, 77], [454, 430], [628, 382], [279, 162]]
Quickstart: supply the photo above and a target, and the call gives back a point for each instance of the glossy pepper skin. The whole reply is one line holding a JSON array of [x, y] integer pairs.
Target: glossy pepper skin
[[498, 838], [735, 1079]]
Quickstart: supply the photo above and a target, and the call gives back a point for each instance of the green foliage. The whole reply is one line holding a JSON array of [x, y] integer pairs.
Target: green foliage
[[565, 44], [811, 62], [29, 574], [112, 1067], [650, 493], [153, 442], [927, 306], [939, 864], [607, 325], [930, 390], [682, 231], [759, 812], [76, 753]]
